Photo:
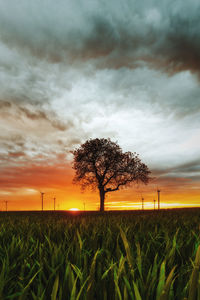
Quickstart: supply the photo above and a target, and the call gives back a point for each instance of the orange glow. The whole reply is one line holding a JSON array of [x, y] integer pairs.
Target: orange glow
[[21, 187], [70, 198]]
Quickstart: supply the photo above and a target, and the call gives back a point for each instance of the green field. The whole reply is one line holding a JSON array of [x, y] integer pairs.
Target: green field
[[124, 255]]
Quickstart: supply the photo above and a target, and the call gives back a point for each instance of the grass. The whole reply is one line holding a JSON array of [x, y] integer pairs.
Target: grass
[[123, 255]]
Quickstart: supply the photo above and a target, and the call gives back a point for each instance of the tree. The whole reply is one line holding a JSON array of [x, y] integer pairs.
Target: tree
[[100, 163]]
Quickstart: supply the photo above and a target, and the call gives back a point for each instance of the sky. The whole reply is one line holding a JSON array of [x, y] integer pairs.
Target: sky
[[75, 70]]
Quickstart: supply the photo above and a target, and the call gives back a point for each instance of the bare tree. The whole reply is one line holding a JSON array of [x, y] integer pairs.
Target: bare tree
[[100, 163]]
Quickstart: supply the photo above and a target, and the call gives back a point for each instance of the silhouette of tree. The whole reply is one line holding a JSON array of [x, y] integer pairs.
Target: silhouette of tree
[[100, 163]]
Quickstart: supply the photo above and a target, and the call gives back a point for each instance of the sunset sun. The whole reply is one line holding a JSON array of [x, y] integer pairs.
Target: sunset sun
[[74, 209]]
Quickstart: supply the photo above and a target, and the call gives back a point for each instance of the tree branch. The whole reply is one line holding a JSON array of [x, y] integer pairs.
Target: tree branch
[[109, 179], [120, 184]]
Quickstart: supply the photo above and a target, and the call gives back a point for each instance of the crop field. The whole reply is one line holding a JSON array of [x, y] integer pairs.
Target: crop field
[[116, 255]]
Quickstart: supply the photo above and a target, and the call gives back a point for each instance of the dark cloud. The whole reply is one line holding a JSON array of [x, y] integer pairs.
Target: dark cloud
[[182, 40], [14, 143], [189, 167], [5, 104], [16, 154], [34, 113], [189, 170], [50, 117], [165, 35], [120, 50]]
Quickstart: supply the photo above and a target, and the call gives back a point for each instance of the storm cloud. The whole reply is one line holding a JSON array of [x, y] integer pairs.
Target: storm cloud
[[112, 34]]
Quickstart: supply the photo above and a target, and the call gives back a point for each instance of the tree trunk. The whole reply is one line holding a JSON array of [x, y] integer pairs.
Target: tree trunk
[[102, 197]]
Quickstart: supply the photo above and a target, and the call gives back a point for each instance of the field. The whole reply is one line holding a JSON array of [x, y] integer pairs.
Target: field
[[125, 255]]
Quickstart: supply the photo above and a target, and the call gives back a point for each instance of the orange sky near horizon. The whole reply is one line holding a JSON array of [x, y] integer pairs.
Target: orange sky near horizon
[[23, 186], [30, 199]]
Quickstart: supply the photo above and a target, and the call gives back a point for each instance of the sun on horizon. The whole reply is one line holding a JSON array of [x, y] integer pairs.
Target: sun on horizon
[[74, 209]]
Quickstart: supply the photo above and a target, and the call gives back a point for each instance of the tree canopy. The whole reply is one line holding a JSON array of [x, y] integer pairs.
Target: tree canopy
[[101, 164]]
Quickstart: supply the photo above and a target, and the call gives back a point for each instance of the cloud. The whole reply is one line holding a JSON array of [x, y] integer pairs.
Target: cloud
[[147, 89], [39, 115], [34, 131], [16, 154], [118, 54], [115, 34], [189, 170], [34, 113], [37, 175], [5, 104]]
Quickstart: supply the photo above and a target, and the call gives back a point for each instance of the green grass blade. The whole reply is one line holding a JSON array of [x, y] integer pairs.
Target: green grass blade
[[161, 282], [137, 293], [55, 288], [73, 293], [118, 290], [165, 292], [81, 289], [90, 289], [127, 248], [194, 277]]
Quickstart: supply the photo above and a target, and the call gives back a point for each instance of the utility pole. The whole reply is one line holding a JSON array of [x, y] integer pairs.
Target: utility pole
[[142, 203], [158, 191], [84, 205], [54, 203], [154, 202], [6, 202], [42, 198]]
